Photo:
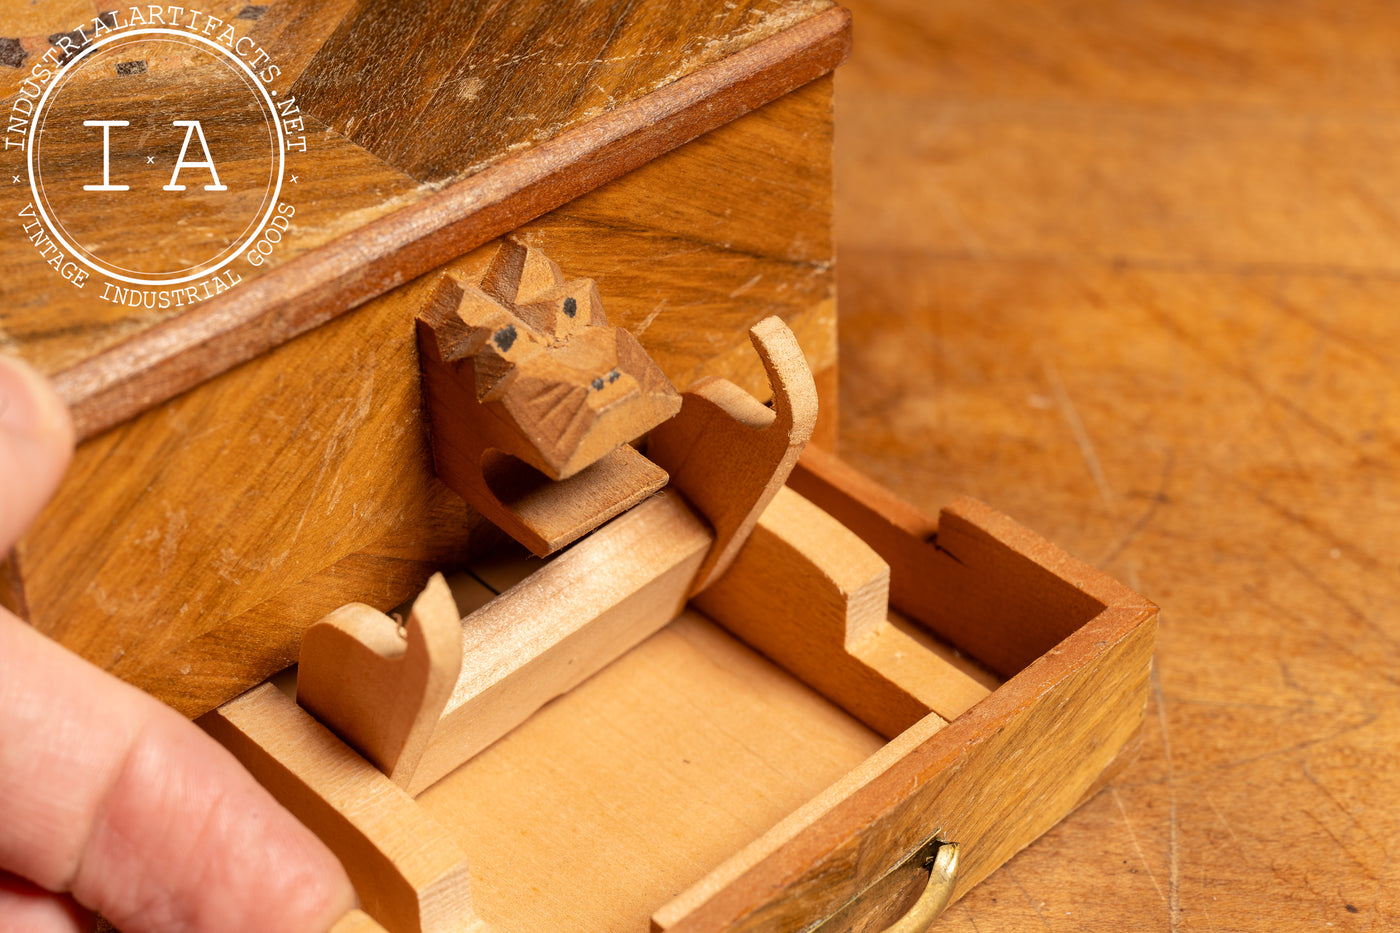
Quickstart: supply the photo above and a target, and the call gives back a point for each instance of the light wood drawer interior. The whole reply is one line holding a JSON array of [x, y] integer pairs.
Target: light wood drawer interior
[[622, 794], [769, 755], [632, 788]]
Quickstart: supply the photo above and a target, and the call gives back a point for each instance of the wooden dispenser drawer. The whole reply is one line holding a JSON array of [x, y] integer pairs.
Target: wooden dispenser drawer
[[769, 759]]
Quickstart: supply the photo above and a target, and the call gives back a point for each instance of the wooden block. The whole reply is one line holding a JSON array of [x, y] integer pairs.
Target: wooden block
[[564, 623], [811, 595], [409, 874], [897, 531], [730, 455], [944, 679], [379, 688]]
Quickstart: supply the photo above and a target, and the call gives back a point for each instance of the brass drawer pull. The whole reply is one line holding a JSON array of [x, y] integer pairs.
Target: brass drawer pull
[[939, 859], [943, 874]]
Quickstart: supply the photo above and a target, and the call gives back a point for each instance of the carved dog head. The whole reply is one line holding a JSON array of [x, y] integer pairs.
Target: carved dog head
[[561, 386]]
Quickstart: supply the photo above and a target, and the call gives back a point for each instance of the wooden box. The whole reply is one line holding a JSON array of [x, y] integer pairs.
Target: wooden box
[[777, 758], [779, 755], [250, 461]]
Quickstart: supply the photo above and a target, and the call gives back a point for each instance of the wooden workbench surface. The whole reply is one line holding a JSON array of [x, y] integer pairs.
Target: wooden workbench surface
[[1131, 272]]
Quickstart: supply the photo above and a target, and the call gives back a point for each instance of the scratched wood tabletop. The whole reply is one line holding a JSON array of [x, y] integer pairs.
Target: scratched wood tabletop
[[1131, 272]]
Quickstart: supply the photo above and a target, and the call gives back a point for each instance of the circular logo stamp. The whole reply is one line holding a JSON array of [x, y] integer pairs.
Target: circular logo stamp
[[156, 154]]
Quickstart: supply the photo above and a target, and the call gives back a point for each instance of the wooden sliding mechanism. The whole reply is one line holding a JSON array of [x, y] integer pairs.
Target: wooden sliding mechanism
[[417, 706], [419, 699], [401, 726]]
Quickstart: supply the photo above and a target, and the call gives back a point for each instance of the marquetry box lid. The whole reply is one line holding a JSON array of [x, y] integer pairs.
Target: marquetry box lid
[[195, 189]]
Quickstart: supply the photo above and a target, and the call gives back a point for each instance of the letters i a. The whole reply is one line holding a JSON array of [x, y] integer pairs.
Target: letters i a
[[192, 128]]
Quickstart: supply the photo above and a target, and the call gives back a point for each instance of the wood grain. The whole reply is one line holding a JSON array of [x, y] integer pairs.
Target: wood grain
[[59, 328], [1128, 272], [540, 639], [993, 779], [453, 107], [728, 454], [408, 873], [365, 252], [635, 784], [190, 547]]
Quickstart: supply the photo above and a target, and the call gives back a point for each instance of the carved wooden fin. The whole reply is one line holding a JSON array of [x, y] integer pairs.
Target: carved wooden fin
[[419, 706], [379, 688], [533, 397], [728, 453]]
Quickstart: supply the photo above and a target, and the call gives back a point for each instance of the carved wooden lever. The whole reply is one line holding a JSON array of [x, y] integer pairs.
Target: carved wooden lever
[[730, 454], [379, 688]]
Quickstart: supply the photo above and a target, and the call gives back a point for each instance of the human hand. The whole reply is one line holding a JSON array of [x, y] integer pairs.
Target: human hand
[[109, 800]]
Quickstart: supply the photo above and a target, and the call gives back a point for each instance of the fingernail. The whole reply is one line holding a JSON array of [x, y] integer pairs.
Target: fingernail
[[28, 404]]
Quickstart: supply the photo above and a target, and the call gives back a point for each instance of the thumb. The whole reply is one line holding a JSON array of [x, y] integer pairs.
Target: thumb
[[36, 445], [109, 795]]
